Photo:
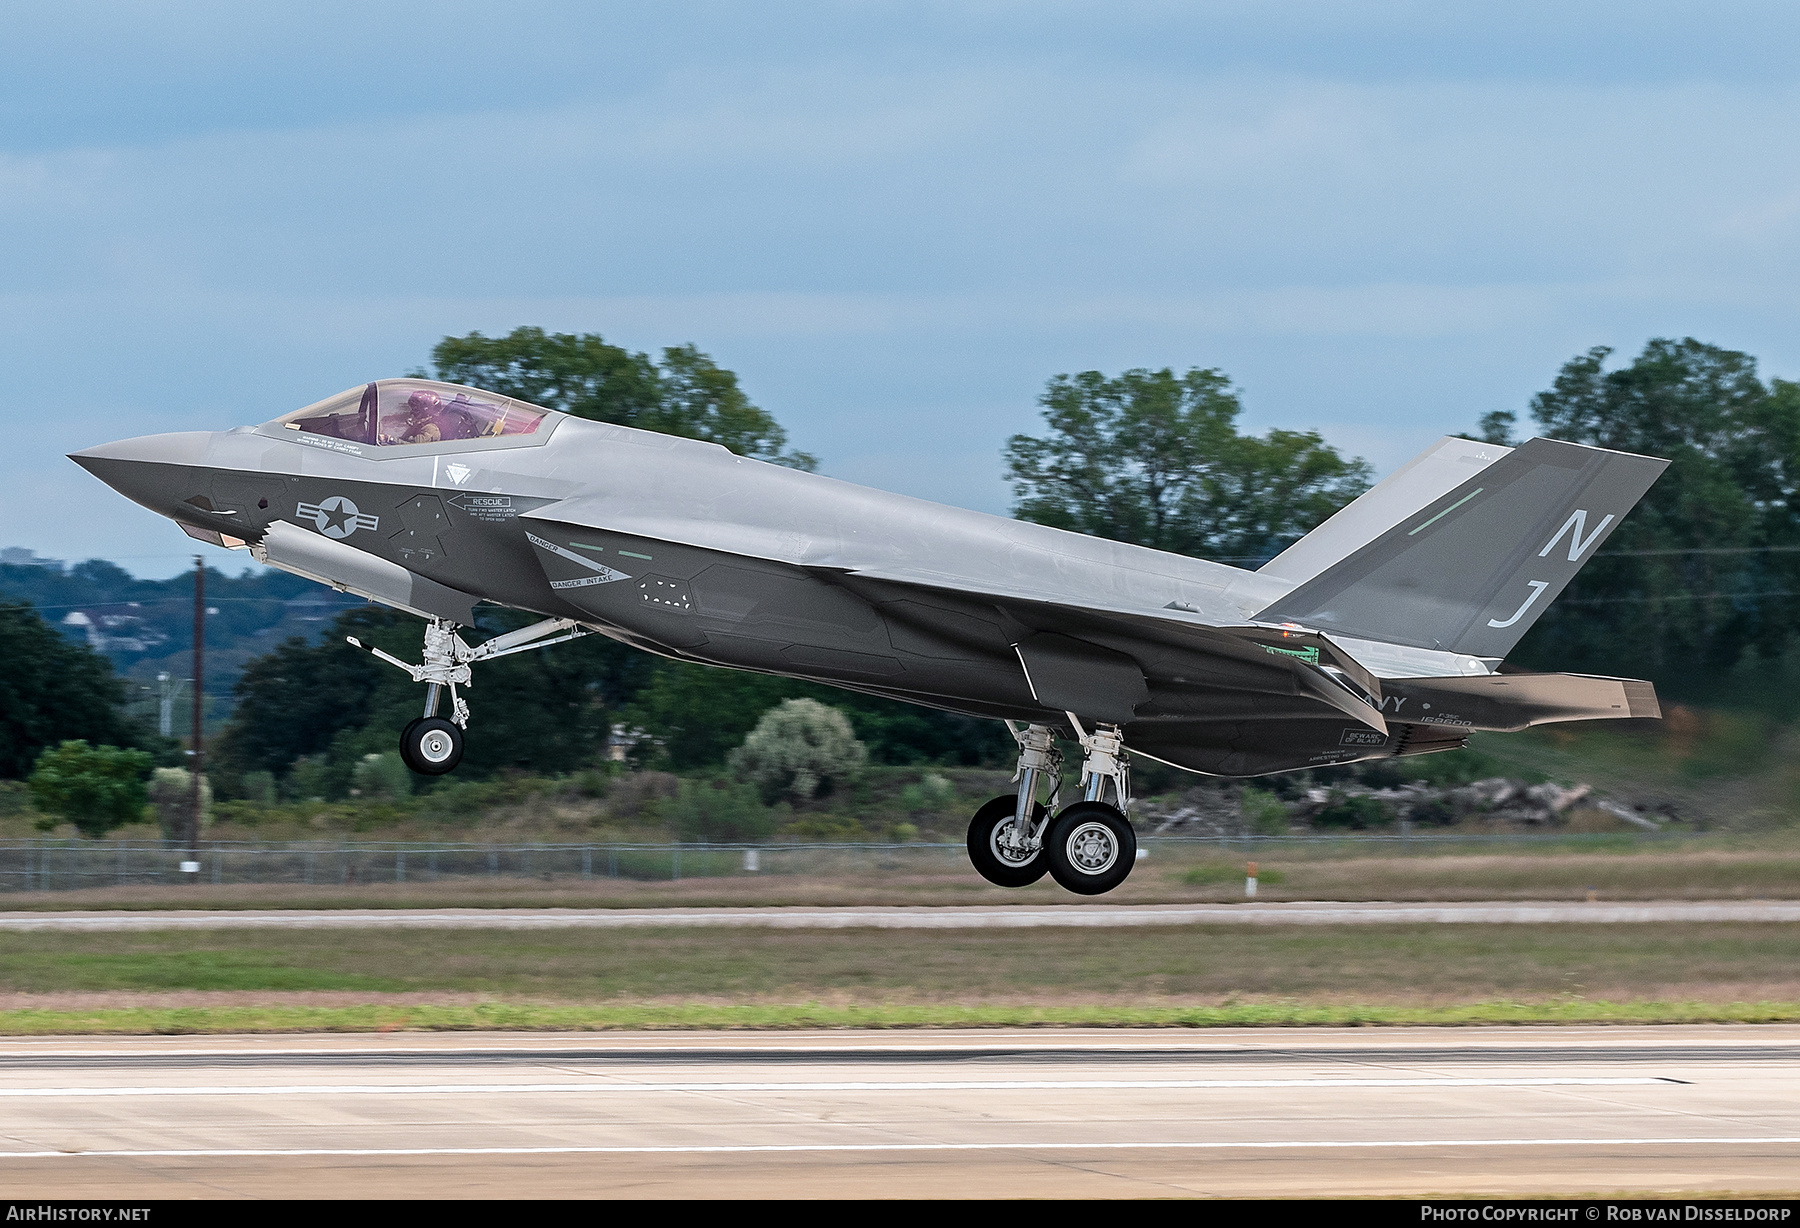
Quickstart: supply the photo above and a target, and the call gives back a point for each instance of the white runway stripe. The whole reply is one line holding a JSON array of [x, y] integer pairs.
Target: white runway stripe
[[801, 1148], [922, 1085]]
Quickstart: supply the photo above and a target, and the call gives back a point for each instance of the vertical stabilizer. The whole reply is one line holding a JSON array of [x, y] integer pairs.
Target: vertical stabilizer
[[1441, 468], [1473, 570]]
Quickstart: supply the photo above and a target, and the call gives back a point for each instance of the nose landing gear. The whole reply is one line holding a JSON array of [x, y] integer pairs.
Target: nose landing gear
[[429, 744], [1088, 848]]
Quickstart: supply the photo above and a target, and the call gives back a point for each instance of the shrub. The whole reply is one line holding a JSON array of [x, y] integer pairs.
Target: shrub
[[1264, 813], [802, 749], [1355, 812], [717, 810], [172, 792], [934, 792], [258, 787], [15, 797], [384, 776], [309, 780], [97, 788], [1432, 814], [831, 827]]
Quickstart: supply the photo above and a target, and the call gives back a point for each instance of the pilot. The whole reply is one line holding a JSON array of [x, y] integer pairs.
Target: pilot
[[421, 424]]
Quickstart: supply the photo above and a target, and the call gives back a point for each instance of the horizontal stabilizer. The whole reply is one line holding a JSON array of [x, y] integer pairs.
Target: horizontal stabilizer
[[1510, 702], [1474, 569]]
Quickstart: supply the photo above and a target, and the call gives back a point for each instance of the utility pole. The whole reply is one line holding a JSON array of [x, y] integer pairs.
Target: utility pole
[[192, 850]]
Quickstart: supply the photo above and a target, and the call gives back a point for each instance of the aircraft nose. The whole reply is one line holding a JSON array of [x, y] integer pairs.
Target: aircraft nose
[[147, 470]]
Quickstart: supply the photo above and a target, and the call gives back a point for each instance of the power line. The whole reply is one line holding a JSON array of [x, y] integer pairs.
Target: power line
[[1784, 592], [95, 605]]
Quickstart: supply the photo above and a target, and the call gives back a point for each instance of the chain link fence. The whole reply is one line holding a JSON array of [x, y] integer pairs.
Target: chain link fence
[[61, 865]]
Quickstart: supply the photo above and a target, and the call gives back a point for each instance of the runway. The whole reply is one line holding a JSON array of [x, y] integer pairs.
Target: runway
[[948, 917], [1098, 1113]]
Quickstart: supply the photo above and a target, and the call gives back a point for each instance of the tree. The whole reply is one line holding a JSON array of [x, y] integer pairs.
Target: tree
[[698, 713], [1156, 459], [52, 690], [1708, 565], [583, 375], [800, 749], [97, 788], [331, 704]]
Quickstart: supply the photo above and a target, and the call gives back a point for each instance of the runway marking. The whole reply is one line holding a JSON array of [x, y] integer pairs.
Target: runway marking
[[802, 1148], [923, 1085]]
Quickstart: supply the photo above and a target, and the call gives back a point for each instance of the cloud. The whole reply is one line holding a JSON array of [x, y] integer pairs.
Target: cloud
[[894, 221]]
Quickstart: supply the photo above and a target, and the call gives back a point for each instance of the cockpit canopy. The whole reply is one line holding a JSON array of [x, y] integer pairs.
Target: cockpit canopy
[[412, 412]]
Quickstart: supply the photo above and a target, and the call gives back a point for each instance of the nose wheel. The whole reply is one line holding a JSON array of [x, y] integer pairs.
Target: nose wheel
[[431, 745]]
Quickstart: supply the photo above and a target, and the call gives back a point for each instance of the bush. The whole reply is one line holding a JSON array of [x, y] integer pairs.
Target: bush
[[172, 792], [309, 780], [97, 788], [717, 810], [932, 793], [15, 797], [802, 749], [258, 787], [384, 776], [832, 827], [1264, 813], [1354, 812], [1432, 814]]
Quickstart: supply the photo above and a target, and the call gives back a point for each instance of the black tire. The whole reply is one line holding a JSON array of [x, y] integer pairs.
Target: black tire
[[431, 745], [1090, 848], [989, 859]]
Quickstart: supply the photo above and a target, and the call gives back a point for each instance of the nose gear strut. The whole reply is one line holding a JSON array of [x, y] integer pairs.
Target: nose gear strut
[[430, 744]]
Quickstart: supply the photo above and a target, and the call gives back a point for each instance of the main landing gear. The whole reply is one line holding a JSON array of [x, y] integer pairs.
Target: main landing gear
[[429, 744], [1089, 847]]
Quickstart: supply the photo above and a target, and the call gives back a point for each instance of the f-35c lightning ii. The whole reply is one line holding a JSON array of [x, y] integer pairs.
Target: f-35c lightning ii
[[1380, 633]]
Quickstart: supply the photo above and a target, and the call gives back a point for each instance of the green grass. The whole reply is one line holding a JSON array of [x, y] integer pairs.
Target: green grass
[[1214, 873], [1184, 976], [1173, 966], [499, 1017]]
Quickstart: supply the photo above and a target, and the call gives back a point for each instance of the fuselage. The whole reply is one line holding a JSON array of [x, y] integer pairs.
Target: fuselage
[[684, 549]]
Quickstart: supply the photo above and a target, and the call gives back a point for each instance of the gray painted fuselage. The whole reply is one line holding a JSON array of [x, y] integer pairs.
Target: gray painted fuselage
[[683, 549]]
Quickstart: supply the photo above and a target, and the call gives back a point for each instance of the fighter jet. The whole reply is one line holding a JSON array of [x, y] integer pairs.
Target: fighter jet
[[1380, 633]]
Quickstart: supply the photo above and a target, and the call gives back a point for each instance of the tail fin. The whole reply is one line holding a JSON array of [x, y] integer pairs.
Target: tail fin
[[1473, 570], [1442, 467]]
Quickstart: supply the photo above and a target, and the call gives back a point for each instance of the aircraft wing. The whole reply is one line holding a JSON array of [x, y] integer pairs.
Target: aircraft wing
[[1505, 702], [1180, 646]]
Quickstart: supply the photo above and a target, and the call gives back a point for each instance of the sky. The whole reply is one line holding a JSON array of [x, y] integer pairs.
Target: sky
[[894, 221]]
